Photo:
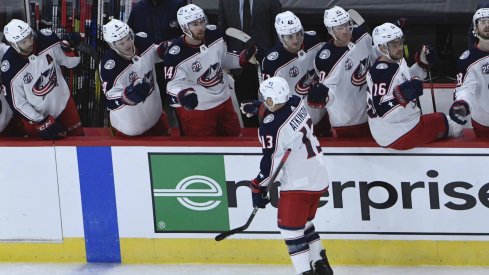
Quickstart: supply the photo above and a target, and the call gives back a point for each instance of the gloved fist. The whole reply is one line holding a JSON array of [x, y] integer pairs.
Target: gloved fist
[[137, 92], [251, 108], [426, 57], [247, 56], [70, 42], [259, 194], [317, 96], [188, 99], [50, 129], [458, 111], [408, 91], [162, 48]]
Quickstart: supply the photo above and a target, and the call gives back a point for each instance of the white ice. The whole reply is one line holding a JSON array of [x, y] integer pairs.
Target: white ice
[[198, 269]]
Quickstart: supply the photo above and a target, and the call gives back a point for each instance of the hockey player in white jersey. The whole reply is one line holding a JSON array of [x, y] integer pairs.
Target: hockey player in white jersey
[[198, 85], [33, 82], [394, 117], [342, 65], [128, 76], [293, 59], [471, 94], [287, 125]]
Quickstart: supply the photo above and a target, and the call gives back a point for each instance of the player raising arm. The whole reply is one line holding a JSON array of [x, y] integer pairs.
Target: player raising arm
[[33, 82], [471, 93], [288, 126], [128, 75], [394, 117]]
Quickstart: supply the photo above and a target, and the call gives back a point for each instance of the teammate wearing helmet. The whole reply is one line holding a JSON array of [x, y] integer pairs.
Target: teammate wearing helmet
[[33, 82], [293, 60], [471, 95], [287, 125], [394, 117], [128, 74], [198, 85], [342, 65]]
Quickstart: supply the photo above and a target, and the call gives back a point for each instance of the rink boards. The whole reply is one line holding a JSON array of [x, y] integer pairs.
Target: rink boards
[[146, 202]]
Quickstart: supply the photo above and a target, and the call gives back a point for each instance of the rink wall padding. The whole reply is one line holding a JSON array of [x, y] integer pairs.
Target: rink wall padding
[[163, 200]]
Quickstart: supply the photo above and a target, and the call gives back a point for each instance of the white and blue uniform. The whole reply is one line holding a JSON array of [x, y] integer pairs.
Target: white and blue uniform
[[202, 68], [388, 120], [34, 85], [296, 68], [118, 73], [343, 71], [290, 127], [473, 83]]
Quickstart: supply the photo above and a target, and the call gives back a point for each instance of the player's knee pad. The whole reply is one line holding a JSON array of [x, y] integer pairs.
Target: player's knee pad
[[295, 240]]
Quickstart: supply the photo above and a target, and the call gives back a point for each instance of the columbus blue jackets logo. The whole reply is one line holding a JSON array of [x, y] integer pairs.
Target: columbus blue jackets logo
[[46, 82], [359, 76], [302, 86], [212, 76]]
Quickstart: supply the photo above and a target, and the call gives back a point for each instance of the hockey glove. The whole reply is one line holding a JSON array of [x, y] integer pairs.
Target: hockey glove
[[426, 57], [49, 128], [162, 49], [70, 42], [317, 96], [188, 99], [259, 194], [247, 56], [458, 111], [137, 92], [408, 91], [251, 108]]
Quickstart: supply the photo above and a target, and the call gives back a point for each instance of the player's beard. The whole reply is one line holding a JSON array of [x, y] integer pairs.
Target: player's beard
[[484, 34]]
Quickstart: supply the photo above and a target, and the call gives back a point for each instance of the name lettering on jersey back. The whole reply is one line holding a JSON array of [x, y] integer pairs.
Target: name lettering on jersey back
[[299, 117]]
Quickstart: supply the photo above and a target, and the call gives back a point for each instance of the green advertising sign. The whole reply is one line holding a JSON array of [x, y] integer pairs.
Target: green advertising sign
[[189, 193]]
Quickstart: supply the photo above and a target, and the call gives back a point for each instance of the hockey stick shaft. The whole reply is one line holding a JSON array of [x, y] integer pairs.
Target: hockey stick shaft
[[432, 90], [228, 233]]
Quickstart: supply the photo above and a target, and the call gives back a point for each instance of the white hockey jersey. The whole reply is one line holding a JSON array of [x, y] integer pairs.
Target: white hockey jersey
[[473, 83], [343, 71], [387, 119], [290, 127], [118, 73], [297, 69], [6, 112], [202, 68], [34, 85]]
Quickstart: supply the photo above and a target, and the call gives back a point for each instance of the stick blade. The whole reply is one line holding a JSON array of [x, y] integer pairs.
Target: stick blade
[[240, 35]]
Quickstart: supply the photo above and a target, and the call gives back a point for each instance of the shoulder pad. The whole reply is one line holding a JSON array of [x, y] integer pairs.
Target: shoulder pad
[[328, 56], [272, 56], [383, 71], [470, 57]]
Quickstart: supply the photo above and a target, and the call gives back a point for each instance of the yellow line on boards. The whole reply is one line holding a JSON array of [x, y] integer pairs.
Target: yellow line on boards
[[340, 252], [69, 250]]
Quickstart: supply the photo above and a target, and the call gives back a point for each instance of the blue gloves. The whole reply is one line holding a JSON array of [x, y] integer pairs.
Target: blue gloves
[[259, 194], [458, 111], [50, 129], [188, 99], [137, 92], [251, 108], [246, 55], [317, 96], [408, 91], [70, 42]]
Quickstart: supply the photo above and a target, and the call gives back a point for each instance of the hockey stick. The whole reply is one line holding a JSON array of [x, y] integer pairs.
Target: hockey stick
[[243, 37], [356, 17], [432, 90], [228, 233]]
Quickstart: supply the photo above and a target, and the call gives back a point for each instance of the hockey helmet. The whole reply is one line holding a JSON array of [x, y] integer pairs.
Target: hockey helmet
[[16, 30], [335, 16], [479, 14], [287, 23], [386, 33], [115, 30], [275, 88], [187, 14]]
